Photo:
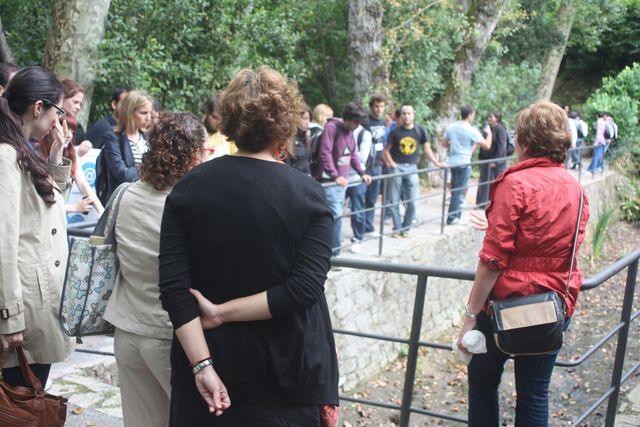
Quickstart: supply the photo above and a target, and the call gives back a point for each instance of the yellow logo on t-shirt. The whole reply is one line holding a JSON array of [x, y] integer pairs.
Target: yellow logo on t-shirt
[[408, 145]]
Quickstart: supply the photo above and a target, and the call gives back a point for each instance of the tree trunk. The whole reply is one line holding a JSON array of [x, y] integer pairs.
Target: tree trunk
[[553, 59], [482, 16], [5, 51], [365, 43], [77, 26]]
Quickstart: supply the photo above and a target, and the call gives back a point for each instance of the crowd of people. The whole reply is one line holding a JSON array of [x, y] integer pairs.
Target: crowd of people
[[220, 293]]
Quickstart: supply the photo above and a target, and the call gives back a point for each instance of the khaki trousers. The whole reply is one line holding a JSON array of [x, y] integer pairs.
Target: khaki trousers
[[144, 372]]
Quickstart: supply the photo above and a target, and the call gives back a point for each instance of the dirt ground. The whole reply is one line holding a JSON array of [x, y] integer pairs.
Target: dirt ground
[[441, 378]]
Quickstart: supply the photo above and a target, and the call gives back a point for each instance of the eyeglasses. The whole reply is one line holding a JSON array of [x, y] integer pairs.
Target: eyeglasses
[[60, 112]]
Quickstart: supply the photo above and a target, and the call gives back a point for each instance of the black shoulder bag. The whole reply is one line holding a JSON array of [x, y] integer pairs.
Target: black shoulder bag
[[533, 324]]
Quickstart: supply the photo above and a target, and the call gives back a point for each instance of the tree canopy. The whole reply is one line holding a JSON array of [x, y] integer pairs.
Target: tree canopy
[[182, 52]]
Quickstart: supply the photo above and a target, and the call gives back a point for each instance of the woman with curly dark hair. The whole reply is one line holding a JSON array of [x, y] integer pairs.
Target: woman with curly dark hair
[[143, 331], [250, 238]]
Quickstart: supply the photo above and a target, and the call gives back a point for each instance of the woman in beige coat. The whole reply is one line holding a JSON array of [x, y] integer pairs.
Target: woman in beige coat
[[33, 241]]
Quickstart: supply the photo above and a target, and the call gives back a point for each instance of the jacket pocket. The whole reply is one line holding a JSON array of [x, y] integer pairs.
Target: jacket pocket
[[43, 283]]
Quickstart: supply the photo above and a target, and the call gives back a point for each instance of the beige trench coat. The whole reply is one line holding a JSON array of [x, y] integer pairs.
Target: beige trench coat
[[33, 257]]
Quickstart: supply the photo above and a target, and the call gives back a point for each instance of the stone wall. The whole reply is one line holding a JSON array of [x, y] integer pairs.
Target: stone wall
[[382, 303]]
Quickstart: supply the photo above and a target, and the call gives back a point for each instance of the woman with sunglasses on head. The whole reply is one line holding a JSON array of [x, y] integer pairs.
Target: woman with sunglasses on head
[[123, 147], [33, 240], [253, 236]]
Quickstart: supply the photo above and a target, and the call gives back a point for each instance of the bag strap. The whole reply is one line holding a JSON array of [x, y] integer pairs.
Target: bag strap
[[27, 373], [573, 253], [103, 232]]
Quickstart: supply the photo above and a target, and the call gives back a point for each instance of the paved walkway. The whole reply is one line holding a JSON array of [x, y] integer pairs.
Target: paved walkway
[[90, 381]]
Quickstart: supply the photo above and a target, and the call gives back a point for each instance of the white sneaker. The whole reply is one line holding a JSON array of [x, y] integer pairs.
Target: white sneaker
[[356, 248], [373, 234]]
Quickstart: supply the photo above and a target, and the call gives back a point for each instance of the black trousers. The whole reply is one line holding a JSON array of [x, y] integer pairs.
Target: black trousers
[[246, 415], [13, 376]]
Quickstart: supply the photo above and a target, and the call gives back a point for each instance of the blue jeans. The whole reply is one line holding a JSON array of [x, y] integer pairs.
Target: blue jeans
[[370, 199], [407, 188], [533, 374], [335, 200], [459, 180], [598, 159], [576, 153], [356, 197]]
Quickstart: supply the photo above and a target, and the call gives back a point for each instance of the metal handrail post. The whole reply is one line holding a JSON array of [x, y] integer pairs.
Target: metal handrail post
[[444, 199], [414, 346], [621, 348], [382, 213]]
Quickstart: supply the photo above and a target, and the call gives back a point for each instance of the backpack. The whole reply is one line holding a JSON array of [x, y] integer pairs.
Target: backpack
[[511, 148], [579, 129], [608, 130], [371, 158], [102, 179], [315, 135]]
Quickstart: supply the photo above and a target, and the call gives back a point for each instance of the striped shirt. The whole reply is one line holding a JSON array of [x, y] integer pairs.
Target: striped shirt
[[138, 148]]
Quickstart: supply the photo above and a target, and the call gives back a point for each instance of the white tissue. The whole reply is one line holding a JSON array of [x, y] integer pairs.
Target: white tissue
[[475, 343]]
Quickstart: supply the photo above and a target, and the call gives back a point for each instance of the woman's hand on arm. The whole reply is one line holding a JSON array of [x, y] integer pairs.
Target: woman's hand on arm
[[209, 384], [482, 286], [246, 309]]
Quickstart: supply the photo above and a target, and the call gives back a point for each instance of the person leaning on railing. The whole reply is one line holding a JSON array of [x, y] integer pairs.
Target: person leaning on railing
[[526, 250], [143, 331]]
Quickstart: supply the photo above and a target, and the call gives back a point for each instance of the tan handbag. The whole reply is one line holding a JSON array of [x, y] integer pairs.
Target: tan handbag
[[29, 406]]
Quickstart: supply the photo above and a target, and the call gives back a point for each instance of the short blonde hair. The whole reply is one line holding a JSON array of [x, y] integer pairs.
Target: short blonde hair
[[259, 108], [542, 128], [321, 114], [134, 100]]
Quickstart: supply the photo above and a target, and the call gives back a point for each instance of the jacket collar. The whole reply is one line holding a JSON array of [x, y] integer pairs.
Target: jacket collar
[[535, 162]]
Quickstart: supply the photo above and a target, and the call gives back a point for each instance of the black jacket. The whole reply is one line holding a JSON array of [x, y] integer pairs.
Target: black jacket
[[115, 164]]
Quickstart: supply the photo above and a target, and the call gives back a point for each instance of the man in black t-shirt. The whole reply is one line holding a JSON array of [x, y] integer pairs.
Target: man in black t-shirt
[[375, 124], [401, 155]]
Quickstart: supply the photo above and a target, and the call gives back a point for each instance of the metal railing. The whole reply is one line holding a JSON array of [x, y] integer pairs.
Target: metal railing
[[414, 342], [386, 205], [621, 329]]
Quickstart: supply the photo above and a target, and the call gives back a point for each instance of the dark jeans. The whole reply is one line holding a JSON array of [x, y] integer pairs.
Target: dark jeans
[[576, 153], [370, 199], [533, 374], [488, 174], [459, 180], [356, 196], [249, 415], [13, 376]]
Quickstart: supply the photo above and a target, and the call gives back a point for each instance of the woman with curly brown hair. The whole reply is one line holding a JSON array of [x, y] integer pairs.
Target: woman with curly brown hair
[[143, 331], [253, 236]]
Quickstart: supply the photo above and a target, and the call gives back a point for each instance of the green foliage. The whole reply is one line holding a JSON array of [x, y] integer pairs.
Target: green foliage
[[26, 25], [419, 48], [503, 87], [619, 95], [600, 233]]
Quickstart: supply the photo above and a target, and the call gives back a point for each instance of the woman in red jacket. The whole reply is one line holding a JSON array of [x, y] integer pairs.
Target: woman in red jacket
[[531, 222]]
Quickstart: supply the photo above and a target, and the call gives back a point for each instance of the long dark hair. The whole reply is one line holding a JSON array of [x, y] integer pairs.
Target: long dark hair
[[29, 85]]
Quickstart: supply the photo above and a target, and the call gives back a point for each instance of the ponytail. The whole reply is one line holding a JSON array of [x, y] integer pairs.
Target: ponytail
[[28, 86]]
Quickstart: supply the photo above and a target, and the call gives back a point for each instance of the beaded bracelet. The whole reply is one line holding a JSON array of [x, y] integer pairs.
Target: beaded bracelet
[[468, 313]]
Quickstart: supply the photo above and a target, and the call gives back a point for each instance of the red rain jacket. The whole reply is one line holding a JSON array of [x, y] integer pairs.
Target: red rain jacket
[[532, 220]]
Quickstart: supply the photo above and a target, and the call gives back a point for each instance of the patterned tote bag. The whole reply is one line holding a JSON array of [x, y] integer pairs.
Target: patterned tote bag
[[92, 269]]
